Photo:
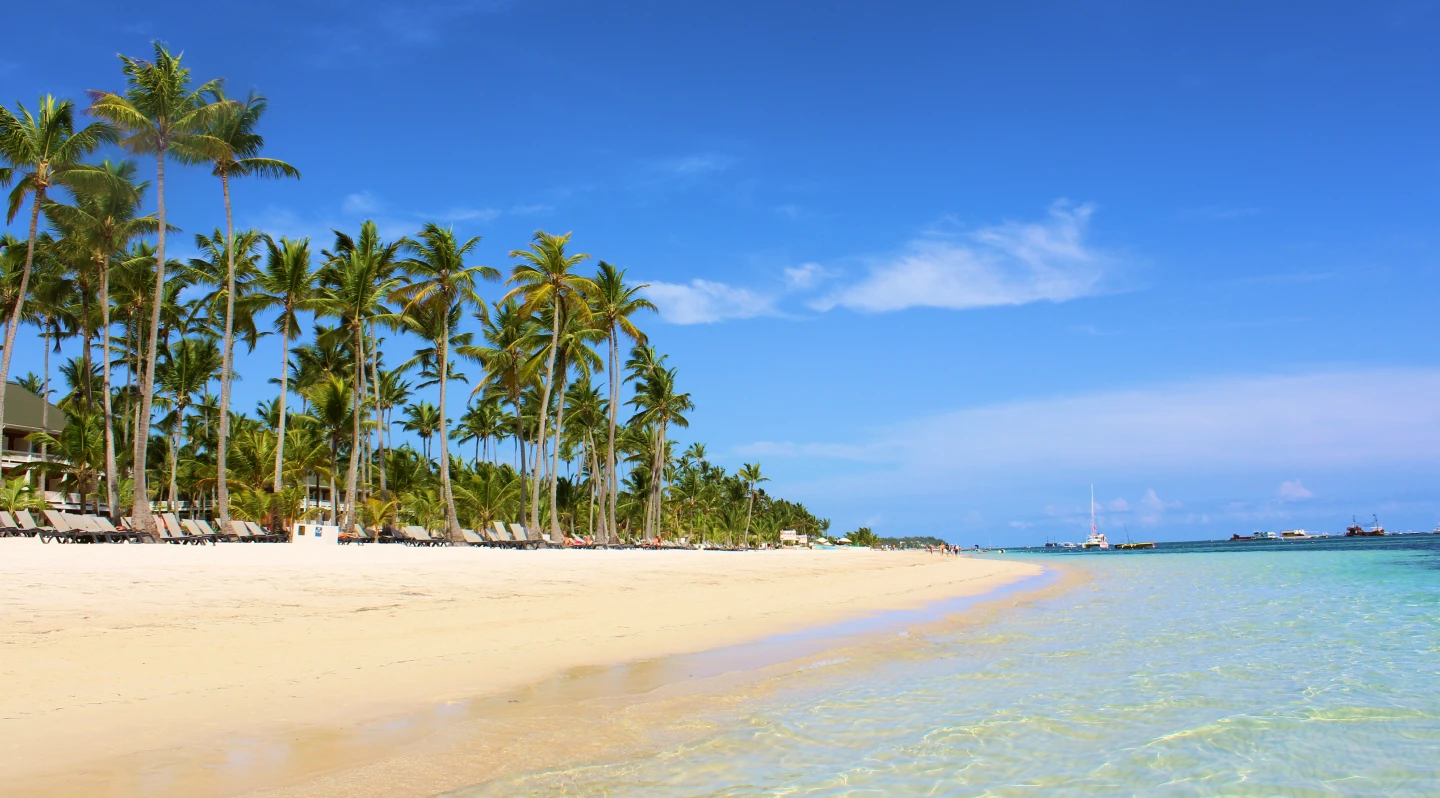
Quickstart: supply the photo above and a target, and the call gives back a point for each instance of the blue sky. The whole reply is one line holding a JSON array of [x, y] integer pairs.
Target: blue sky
[[937, 268]]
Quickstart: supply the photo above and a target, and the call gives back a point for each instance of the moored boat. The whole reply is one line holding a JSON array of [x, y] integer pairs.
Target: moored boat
[[1357, 531]]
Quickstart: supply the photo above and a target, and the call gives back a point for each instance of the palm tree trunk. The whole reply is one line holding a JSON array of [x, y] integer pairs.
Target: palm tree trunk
[[45, 397], [112, 489], [222, 484], [555, 464], [749, 506], [279, 484], [174, 464], [354, 470], [141, 511], [452, 524], [520, 447], [379, 412], [14, 324], [544, 408], [613, 485]]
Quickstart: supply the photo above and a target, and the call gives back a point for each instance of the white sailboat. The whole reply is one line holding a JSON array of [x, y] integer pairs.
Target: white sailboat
[[1096, 539]]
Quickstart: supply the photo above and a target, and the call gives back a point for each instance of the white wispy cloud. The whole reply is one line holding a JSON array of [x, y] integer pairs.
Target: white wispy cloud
[[1265, 422], [360, 202], [695, 164], [1014, 263], [1293, 490], [706, 301], [469, 214]]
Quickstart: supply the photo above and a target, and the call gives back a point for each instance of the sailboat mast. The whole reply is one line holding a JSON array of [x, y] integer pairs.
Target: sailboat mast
[[1092, 509]]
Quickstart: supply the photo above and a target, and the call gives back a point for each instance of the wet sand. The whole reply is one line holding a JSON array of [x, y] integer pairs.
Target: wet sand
[[344, 671]]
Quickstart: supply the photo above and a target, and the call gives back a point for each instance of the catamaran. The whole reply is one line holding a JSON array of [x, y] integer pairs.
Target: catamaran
[[1096, 539]]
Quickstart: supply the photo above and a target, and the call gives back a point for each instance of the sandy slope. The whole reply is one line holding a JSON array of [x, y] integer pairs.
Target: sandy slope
[[110, 651]]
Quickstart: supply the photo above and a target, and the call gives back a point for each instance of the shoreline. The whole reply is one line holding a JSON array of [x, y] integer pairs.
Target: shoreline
[[268, 669]]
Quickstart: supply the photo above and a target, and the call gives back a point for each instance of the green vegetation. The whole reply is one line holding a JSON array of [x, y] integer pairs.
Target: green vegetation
[[910, 542], [151, 342]]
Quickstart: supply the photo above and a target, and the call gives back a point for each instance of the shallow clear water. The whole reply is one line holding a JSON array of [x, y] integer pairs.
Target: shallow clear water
[[1286, 669]]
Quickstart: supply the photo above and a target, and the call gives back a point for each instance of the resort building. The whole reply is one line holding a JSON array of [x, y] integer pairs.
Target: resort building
[[26, 413]]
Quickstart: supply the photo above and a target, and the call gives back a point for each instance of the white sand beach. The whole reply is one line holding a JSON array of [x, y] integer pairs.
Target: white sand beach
[[116, 656]]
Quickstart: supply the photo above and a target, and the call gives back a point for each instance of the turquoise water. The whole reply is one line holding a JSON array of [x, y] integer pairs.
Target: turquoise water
[[1286, 669]]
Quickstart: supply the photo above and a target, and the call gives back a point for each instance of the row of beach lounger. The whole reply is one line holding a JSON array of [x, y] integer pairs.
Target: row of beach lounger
[[496, 535], [64, 527]]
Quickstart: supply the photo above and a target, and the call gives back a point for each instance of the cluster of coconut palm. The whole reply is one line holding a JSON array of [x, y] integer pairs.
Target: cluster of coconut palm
[[156, 340]]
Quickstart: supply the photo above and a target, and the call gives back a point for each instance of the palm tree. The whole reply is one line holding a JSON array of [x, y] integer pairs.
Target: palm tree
[[440, 283], [162, 116], [45, 148], [510, 363], [544, 279], [423, 419], [357, 277], [234, 128], [473, 425], [188, 367], [331, 411], [104, 221], [750, 475], [573, 348], [290, 284], [613, 304], [659, 406]]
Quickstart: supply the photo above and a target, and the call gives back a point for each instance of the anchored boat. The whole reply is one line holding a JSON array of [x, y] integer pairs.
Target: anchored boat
[[1357, 531], [1096, 539]]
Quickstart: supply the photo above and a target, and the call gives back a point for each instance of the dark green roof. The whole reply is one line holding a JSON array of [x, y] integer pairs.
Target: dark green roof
[[22, 411]]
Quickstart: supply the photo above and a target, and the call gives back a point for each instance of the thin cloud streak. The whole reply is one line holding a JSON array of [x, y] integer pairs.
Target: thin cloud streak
[[705, 302], [1008, 264], [1315, 420]]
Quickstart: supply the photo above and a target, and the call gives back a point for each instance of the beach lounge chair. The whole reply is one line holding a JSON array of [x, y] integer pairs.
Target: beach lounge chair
[[102, 524], [175, 531], [192, 528], [215, 534], [522, 537], [417, 536], [473, 539], [8, 526], [62, 530], [240, 531], [91, 524], [359, 534], [27, 525], [500, 534], [264, 535]]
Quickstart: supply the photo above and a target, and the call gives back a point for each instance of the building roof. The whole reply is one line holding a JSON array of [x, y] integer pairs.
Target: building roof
[[22, 411]]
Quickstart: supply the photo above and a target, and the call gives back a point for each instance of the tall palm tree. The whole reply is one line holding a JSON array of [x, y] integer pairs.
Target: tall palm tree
[[358, 276], [233, 127], [511, 365], [439, 283], [613, 304], [423, 419], [545, 279], [573, 349], [751, 476], [187, 368], [45, 149], [659, 406], [104, 219], [161, 116], [290, 284]]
